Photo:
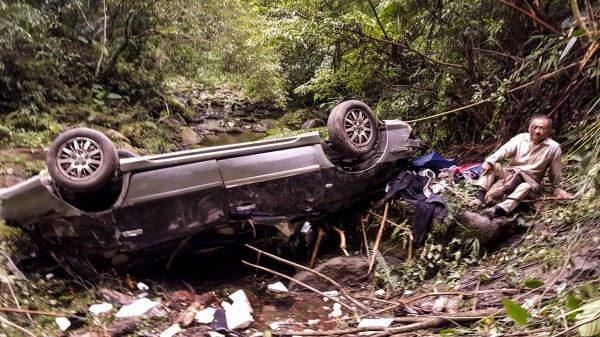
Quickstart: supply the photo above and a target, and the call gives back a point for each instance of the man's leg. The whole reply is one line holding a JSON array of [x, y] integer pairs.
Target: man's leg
[[512, 201], [486, 181]]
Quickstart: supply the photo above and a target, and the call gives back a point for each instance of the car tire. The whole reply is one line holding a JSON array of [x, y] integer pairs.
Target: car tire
[[352, 128], [82, 160]]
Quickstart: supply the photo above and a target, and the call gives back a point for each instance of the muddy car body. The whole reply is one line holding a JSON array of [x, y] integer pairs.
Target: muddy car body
[[156, 202]]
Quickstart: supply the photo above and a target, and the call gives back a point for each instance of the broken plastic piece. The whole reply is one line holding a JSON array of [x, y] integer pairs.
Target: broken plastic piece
[[307, 232]]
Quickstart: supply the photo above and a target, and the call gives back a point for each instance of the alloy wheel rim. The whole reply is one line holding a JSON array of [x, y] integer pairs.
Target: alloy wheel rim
[[80, 158], [358, 127]]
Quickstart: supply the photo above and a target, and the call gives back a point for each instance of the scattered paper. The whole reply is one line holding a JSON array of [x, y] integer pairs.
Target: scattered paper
[[337, 310], [205, 316], [139, 307], [171, 331], [142, 287], [101, 308], [277, 286], [63, 323]]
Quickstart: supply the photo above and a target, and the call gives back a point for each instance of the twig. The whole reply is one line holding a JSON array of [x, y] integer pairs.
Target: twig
[[577, 326], [533, 17], [316, 249], [18, 327], [342, 239], [12, 293], [103, 42], [549, 199], [325, 277], [456, 194], [410, 246], [476, 298], [300, 283], [362, 222], [378, 238], [390, 222]]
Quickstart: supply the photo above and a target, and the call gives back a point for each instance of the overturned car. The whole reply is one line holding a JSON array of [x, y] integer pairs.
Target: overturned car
[[97, 206]]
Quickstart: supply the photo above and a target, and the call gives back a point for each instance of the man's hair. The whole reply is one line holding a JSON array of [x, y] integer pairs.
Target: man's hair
[[540, 116]]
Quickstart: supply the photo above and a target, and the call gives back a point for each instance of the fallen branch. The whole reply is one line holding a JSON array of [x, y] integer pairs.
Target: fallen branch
[[313, 258], [362, 222], [419, 324], [38, 312], [549, 199], [379, 234], [340, 289]]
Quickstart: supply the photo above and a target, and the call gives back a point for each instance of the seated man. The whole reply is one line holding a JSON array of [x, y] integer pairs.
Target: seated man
[[531, 155]]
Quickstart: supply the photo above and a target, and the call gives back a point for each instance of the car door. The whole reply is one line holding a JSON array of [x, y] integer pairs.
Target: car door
[[285, 182]]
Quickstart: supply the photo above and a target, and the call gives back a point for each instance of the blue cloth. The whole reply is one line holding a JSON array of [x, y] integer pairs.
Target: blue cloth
[[434, 162]]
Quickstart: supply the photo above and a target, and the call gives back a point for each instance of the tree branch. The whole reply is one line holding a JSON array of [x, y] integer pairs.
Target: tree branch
[[532, 16]]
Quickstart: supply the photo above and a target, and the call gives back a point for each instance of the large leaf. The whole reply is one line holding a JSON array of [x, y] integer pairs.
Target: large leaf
[[589, 311], [515, 311]]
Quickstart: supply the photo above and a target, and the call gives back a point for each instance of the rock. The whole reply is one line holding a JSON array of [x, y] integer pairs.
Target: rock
[[193, 101], [312, 123], [344, 270], [189, 136], [212, 125], [116, 135], [178, 117], [487, 231], [235, 129], [258, 128], [170, 122], [116, 297]]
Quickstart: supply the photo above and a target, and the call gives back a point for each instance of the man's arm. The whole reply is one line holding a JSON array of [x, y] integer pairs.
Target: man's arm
[[555, 175], [506, 151]]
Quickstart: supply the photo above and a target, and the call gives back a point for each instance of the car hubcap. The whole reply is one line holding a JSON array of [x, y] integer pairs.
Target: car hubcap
[[358, 127], [79, 158]]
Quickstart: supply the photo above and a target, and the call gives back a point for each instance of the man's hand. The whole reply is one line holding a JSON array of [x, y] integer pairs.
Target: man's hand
[[562, 194], [486, 168]]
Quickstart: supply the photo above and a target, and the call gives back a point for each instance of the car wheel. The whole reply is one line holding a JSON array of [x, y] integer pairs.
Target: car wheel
[[82, 160], [352, 128]]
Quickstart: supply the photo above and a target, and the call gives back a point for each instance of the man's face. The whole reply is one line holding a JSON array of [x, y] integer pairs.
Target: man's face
[[538, 130]]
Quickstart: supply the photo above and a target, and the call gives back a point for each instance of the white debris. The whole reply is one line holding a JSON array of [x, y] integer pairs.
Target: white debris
[[325, 299], [332, 293], [257, 334], [205, 316], [142, 287], [49, 276], [239, 313], [374, 322], [277, 286], [380, 292], [274, 326], [215, 334], [409, 292], [313, 321], [171, 331], [440, 304], [337, 310], [138, 307], [101, 308], [63, 323]]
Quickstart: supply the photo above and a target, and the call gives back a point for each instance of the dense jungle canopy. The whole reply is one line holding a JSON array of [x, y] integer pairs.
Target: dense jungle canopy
[[482, 68]]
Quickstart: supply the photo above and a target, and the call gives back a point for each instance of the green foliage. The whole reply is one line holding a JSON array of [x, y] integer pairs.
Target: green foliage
[[515, 311], [588, 312]]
